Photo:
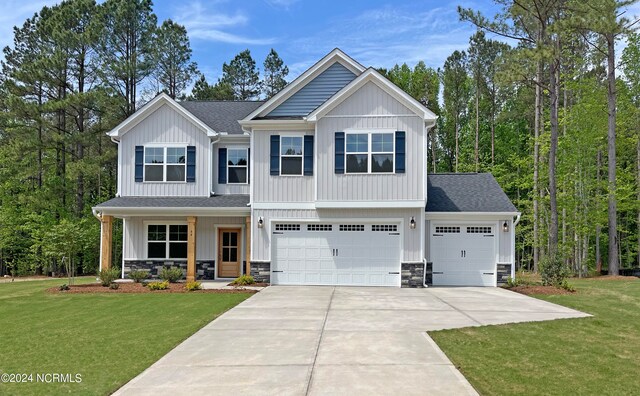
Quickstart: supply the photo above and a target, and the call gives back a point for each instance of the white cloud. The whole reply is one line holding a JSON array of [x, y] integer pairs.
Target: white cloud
[[211, 24], [285, 4]]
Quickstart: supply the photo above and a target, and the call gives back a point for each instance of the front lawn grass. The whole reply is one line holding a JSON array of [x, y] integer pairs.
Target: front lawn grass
[[106, 338], [588, 356]]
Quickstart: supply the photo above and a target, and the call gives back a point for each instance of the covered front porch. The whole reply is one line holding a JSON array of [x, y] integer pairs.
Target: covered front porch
[[207, 237]]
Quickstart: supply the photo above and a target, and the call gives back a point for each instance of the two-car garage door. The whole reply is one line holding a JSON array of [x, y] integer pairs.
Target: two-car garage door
[[463, 255], [335, 253]]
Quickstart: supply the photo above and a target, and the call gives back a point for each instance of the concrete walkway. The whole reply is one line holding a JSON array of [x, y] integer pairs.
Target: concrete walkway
[[335, 340]]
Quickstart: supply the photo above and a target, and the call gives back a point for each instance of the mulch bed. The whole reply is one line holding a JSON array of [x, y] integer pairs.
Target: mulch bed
[[262, 284], [139, 288], [537, 289]]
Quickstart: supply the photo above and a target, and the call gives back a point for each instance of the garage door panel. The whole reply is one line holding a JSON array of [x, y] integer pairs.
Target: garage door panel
[[357, 255], [463, 255]]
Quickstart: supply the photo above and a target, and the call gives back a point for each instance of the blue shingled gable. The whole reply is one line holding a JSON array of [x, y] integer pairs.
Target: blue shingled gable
[[315, 93]]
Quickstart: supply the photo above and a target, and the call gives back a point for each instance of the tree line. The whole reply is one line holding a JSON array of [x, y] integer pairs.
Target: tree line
[[554, 116], [552, 112], [74, 71]]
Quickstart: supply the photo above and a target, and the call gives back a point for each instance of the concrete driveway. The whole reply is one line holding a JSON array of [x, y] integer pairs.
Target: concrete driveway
[[335, 340]]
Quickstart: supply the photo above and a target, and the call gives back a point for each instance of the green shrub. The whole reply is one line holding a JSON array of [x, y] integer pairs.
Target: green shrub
[[138, 275], [192, 286], [164, 285], [107, 276], [567, 286], [114, 286], [171, 275], [64, 287], [243, 280], [553, 271], [513, 282]]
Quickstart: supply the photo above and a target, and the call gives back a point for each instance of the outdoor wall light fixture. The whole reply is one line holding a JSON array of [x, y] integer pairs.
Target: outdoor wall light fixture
[[505, 227], [260, 222], [412, 223]]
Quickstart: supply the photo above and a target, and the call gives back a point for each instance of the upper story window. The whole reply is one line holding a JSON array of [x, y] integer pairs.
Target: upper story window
[[165, 164], [369, 152], [237, 161], [291, 155]]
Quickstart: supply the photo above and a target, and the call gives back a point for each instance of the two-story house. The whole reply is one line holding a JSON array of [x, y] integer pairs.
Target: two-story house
[[323, 184]]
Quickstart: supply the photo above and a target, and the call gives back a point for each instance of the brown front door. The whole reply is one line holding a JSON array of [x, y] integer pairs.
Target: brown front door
[[228, 253]]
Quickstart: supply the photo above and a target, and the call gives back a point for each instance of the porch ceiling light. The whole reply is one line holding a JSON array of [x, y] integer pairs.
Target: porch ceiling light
[[412, 223], [260, 222]]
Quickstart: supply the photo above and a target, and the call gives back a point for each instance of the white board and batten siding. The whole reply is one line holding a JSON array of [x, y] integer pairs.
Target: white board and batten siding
[[368, 109], [164, 126], [411, 245], [268, 188], [135, 234]]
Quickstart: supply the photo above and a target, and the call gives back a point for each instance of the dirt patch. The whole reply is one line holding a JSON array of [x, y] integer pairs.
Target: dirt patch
[[615, 277], [139, 288], [261, 284], [537, 289]]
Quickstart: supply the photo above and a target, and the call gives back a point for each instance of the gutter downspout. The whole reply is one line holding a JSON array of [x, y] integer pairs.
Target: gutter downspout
[[517, 220], [424, 274], [118, 180]]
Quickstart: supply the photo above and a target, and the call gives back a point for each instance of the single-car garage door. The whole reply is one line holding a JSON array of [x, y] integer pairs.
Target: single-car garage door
[[463, 255], [357, 254]]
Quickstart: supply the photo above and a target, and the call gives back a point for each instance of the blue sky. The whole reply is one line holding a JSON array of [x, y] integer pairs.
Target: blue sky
[[376, 33]]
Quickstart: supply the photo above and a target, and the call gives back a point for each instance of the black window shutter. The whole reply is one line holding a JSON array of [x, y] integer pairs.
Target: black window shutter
[[339, 142], [308, 155], [139, 163], [191, 164], [222, 166], [275, 155], [400, 151], [248, 165]]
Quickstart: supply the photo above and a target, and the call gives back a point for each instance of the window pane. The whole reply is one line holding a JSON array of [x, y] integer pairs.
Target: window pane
[[233, 254], [177, 250], [291, 166], [153, 155], [153, 173], [382, 142], [176, 173], [225, 239], [237, 157], [291, 145], [357, 163], [225, 254], [157, 249], [157, 232], [234, 239], [238, 174], [175, 155], [178, 232], [357, 143], [381, 163]]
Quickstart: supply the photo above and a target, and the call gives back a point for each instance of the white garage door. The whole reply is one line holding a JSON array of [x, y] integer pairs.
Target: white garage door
[[463, 255], [335, 254]]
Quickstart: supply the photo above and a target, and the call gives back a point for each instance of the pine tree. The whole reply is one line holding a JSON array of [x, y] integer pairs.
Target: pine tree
[[174, 69], [242, 75], [275, 73]]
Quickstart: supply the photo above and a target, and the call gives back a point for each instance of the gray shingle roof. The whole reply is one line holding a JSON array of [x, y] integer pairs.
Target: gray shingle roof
[[221, 116], [217, 201], [466, 192]]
